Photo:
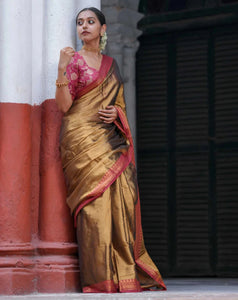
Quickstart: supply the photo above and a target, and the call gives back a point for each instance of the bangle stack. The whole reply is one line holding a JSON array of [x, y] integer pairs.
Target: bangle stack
[[60, 84]]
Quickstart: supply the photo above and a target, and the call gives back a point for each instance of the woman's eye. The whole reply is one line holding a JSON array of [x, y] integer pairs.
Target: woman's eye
[[91, 22], [80, 23]]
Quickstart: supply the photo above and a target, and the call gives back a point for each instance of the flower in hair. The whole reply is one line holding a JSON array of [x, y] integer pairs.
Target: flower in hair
[[103, 41]]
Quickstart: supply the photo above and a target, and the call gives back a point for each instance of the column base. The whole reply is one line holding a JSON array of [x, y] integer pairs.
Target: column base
[[49, 268], [17, 275], [57, 274], [57, 268]]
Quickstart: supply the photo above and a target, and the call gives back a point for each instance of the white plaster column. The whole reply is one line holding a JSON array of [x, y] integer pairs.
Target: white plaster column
[[32, 34], [58, 32], [15, 51], [37, 42]]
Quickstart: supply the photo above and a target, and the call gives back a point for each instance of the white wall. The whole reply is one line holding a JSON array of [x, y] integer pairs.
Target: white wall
[[32, 32], [15, 51]]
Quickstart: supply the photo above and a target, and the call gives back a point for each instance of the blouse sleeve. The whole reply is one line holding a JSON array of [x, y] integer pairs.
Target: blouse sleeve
[[72, 73]]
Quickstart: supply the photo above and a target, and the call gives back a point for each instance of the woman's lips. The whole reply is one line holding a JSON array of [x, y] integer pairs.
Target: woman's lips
[[85, 32]]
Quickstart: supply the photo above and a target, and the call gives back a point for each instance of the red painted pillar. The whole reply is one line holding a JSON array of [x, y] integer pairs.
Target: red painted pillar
[[16, 251], [57, 263]]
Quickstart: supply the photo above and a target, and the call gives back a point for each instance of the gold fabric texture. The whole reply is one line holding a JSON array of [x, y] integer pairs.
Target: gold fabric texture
[[102, 193]]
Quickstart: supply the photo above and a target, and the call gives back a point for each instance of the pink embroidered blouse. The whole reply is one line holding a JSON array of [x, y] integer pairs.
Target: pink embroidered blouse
[[79, 74]]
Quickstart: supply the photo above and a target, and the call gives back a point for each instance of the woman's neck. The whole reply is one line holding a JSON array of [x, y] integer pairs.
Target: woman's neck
[[91, 49]]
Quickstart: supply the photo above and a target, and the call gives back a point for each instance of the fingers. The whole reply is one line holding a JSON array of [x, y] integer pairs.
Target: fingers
[[68, 48], [66, 55], [108, 115], [109, 110], [68, 51], [107, 120]]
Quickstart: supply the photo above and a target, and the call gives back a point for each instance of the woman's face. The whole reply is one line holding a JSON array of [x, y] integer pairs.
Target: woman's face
[[88, 26]]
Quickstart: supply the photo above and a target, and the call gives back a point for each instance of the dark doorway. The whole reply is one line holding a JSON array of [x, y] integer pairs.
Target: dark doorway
[[187, 142]]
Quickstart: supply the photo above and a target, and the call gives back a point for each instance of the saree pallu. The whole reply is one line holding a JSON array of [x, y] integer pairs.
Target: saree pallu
[[99, 168]]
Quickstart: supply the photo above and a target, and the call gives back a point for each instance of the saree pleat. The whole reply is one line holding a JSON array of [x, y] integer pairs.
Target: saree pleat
[[99, 168]]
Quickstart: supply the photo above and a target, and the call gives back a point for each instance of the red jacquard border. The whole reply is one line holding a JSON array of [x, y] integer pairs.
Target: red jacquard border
[[139, 234], [108, 286]]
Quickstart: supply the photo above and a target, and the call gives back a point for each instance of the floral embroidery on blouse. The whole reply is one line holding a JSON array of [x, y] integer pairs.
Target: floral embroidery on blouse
[[79, 74]]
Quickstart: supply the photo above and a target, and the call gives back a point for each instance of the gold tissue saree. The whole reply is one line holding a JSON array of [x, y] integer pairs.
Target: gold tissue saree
[[99, 167]]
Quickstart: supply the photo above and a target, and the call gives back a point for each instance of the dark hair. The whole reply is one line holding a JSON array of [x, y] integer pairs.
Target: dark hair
[[97, 12]]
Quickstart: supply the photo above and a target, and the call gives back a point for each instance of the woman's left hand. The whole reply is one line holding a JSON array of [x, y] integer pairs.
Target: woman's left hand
[[108, 115]]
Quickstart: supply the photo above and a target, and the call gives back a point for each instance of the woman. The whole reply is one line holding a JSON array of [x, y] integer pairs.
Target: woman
[[99, 167]]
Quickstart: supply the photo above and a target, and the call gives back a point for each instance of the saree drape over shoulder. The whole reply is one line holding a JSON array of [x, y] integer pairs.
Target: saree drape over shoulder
[[99, 167]]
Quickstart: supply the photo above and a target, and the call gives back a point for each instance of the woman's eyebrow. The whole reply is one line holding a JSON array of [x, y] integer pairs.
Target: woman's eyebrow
[[79, 19]]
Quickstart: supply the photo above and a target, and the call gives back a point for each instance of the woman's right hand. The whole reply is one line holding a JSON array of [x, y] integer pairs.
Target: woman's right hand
[[65, 57]]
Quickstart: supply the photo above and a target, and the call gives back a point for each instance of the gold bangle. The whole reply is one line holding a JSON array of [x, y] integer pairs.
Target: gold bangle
[[60, 84]]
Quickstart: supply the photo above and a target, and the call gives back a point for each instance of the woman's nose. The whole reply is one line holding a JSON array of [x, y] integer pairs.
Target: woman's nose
[[84, 24]]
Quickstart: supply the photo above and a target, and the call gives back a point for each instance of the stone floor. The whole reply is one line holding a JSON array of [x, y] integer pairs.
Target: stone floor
[[178, 289]]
